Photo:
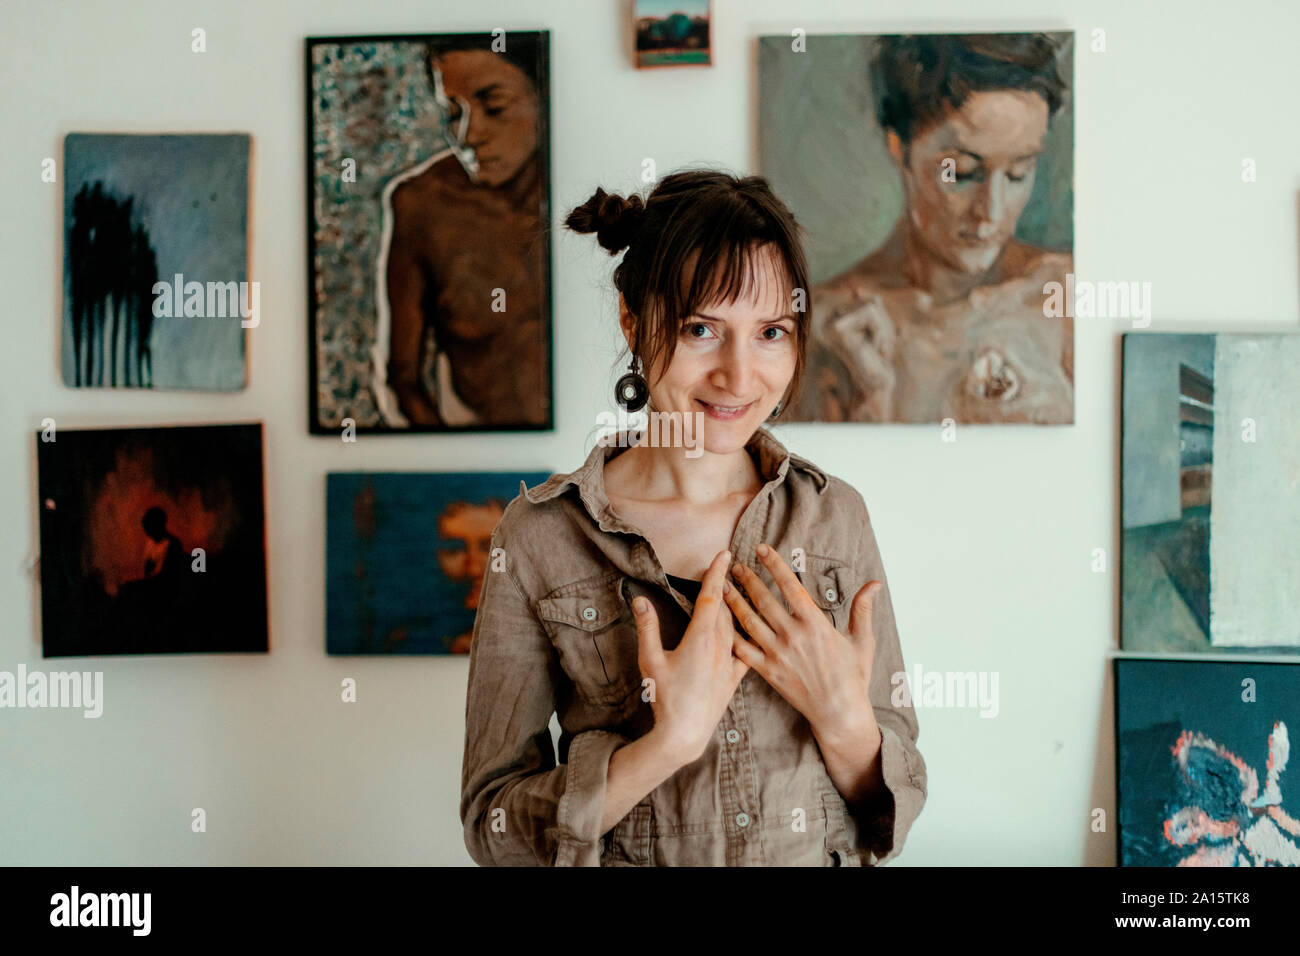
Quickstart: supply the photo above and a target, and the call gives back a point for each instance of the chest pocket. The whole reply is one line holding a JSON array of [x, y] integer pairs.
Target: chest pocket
[[593, 630], [827, 581]]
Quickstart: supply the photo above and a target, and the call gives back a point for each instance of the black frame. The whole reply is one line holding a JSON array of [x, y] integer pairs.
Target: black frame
[[314, 425]]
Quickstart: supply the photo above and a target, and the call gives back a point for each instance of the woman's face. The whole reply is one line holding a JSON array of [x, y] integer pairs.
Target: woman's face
[[503, 110], [967, 178], [733, 361]]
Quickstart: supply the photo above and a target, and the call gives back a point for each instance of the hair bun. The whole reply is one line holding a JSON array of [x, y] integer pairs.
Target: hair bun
[[613, 218]]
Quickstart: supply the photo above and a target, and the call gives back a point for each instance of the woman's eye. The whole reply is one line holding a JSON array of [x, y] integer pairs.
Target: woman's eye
[[693, 326], [780, 333]]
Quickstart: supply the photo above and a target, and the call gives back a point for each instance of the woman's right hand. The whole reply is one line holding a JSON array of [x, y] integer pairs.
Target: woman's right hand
[[694, 682]]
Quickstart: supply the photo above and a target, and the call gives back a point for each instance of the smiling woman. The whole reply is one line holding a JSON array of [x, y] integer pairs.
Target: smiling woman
[[687, 740]]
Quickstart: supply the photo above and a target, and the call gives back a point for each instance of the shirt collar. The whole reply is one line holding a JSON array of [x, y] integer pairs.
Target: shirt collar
[[774, 462]]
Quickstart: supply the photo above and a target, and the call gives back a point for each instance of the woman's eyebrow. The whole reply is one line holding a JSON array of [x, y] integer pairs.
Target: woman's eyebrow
[[715, 318], [1019, 159]]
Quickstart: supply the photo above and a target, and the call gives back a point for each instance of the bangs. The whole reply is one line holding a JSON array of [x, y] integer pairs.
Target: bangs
[[729, 271]]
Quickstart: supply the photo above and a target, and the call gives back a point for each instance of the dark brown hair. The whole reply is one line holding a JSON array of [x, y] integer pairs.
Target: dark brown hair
[[918, 79], [701, 213]]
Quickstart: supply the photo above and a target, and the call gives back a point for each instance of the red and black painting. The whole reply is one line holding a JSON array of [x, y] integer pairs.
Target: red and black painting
[[152, 540]]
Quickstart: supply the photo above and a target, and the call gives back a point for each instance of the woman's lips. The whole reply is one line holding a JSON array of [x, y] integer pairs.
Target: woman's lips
[[725, 413]]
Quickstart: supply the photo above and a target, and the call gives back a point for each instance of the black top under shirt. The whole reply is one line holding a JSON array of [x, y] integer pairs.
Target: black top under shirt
[[685, 586]]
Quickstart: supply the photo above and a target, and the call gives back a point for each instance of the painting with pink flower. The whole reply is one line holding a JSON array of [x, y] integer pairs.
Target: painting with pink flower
[[933, 175], [1202, 751]]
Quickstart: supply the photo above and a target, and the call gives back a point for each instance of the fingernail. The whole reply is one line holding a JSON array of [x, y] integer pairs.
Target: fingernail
[[726, 587], [638, 605], [726, 555], [763, 549]]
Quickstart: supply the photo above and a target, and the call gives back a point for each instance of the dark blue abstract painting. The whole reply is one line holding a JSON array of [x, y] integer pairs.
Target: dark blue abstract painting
[[1202, 750], [405, 557], [155, 261]]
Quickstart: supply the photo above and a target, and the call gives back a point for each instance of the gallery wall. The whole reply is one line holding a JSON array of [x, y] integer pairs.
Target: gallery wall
[[989, 541]]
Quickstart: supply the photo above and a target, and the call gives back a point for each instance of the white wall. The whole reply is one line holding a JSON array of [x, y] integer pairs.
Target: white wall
[[988, 542]]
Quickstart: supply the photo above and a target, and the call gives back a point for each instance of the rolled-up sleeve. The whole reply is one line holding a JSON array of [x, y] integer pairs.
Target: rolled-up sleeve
[[884, 820], [517, 807]]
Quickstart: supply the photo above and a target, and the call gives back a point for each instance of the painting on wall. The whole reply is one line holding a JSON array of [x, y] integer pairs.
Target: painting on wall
[[1210, 523], [934, 176], [152, 540], [428, 233], [405, 557], [156, 291], [1202, 749], [672, 32]]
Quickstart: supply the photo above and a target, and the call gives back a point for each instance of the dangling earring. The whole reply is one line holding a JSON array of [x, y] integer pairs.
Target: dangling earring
[[631, 390], [776, 411]]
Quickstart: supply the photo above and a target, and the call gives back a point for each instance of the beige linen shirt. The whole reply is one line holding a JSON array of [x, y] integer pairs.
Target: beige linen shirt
[[555, 632]]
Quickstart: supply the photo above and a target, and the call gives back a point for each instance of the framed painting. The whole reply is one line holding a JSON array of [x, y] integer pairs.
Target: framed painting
[[1210, 523], [429, 260], [1202, 752], [406, 554], [156, 291], [933, 174], [672, 32], [152, 540]]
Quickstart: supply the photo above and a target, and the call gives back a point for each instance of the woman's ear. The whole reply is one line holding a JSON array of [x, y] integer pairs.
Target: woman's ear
[[896, 151], [626, 321]]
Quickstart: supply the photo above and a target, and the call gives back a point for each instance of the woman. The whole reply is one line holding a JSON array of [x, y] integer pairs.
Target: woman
[[460, 232], [946, 318], [684, 742]]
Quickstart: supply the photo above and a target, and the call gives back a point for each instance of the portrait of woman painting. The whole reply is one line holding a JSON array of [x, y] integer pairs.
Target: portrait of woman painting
[[939, 207], [429, 261]]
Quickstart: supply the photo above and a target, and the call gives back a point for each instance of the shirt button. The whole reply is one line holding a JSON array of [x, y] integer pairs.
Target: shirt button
[[589, 614], [733, 736], [742, 819], [831, 595]]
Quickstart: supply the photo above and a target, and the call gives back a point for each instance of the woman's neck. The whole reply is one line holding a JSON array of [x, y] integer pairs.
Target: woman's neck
[[926, 271], [648, 473]]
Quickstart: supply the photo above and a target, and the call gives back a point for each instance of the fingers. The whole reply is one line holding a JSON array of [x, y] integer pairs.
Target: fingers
[[860, 612], [749, 619], [649, 647], [796, 597], [709, 603]]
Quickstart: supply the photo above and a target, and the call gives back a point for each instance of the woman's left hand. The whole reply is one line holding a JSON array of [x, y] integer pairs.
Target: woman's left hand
[[823, 674]]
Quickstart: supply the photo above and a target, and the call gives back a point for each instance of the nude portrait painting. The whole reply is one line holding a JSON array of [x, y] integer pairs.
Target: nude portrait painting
[[934, 177], [430, 261]]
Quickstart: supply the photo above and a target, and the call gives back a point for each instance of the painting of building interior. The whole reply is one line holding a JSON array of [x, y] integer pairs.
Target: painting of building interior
[[406, 554], [1210, 514], [934, 177], [1203, 752]]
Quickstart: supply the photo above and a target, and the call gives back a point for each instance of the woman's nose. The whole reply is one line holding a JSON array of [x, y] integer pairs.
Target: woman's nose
[[990, 203], [476, 130], [735, 370]]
